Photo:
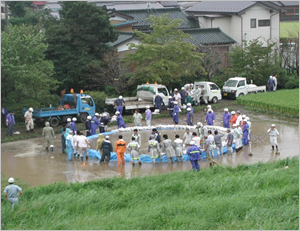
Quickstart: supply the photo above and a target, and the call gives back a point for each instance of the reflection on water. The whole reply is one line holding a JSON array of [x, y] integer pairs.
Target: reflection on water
[[29, 161]]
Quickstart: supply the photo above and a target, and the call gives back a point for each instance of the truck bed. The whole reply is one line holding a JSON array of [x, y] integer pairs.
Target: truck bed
[[51, 111], [131, 103]]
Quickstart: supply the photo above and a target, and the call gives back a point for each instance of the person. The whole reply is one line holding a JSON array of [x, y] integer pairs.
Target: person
[[274, 135], [148, 116], [63, 139], [178, 147], [208, 148], [271, 84], [188, 99], [196, 93], [177, 98], [74, 144], [171, 106], [120, 148], [136, 136], [168, 148], [188, 87], [29, 120], [201, 132], [156, 135], [73, 124], [183, 96], [10, 123], [153, 148], [240, 131], [204, 96], [275, 82], [210, 137], [49, 135], [105, 119], [226, 118], [82, 145], [88, 126], [99, 142], [107, 149], [105, 113], [233, 119], [133, 147], [11, 192], [187, 137], [95, 123], [242, 124], [229, 141], [176, 113], [137, 118], [119, 104], [101, 127], [69, 142], [158, 102], [239, 118], [210, 117], [190, 114], [194, 153], [196, 139], [69, 125], [218, 141], [120, 120], [250, 125], [245, 133]]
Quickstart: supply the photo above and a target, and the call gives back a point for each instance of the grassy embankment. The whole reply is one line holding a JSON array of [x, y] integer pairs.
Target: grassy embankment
[[288, 29], [260, 196], [282, 102]]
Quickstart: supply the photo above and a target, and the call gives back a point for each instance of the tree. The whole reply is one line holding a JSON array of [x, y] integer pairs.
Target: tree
[[77, 41], [17, 8], [211, 63], [113, 73], [254, 61], [26, 77], [165, 54]]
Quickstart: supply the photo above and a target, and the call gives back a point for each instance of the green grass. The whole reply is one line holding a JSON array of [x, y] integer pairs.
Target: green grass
[[284, 102], [289, 29], [260, 196]]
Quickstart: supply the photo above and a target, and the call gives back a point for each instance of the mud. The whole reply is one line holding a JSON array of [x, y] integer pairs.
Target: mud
[[29, 160]]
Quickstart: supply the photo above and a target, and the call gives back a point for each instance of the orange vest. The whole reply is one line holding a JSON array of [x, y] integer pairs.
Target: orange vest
[[120, 146], [233, 119]]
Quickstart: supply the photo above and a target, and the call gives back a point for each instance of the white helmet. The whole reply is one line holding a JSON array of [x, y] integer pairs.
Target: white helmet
[[89, 117], [189, 104], [209, 110], [247, 118], [208, 106], [175, 102], [11, 180], [74, 119], [225, 109], [243, 116], [182, 88], [97, 114], [192, 142], [147, 106], [188, 109], [192, 84], [117, 112], [175, 89], [170, 97], [101, 115], [30, 109], [199, 124], [120, 97], [69, 119], [273, 125], [233, 112], [107, 137], [234, 125]]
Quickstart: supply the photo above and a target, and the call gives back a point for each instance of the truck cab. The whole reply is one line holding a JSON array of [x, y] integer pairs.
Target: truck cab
[[149, 91], [213, 92]]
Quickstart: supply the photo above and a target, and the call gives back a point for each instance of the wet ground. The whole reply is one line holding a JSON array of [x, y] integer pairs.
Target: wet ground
[[29, 161]]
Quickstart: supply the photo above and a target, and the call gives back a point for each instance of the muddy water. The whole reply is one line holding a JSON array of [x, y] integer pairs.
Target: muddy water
[[29, 161]]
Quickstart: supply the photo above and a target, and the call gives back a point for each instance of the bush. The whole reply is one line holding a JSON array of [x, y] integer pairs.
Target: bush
[[292, 82]]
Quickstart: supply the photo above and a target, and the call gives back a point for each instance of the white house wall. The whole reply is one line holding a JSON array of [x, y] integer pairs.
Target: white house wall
[[124, 47]]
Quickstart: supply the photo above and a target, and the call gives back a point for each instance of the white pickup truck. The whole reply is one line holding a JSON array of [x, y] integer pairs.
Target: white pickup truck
[[212, 92], [145, 96], [237, 86]]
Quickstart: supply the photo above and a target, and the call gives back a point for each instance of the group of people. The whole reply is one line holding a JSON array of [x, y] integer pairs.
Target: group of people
[[272, 83]]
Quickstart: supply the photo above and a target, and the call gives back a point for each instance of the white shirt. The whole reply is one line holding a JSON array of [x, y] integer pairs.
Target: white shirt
[[211, 138], [187, 137], [196, 139], [177, 96], [82, 141]]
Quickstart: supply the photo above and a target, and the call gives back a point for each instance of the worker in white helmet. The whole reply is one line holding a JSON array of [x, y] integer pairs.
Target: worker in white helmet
[[274, 135], [95, 123], [233, 119], [73, 123], [88, 126], [49, 135], [29, 120], [69, 125], [11, 192], [119, 104]]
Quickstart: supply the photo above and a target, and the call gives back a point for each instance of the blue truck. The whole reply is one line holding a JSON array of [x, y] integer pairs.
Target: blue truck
[[71, 105]]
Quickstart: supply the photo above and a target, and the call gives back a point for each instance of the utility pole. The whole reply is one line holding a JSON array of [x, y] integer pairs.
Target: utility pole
[[6, 17]]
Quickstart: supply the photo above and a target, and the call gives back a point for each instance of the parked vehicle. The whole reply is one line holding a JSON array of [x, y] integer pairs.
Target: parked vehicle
[[212, 92], [71, 105], [237, 86], [145, 96]]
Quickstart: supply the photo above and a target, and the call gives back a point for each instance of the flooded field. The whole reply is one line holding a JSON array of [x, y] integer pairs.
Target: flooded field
[[29, 161]]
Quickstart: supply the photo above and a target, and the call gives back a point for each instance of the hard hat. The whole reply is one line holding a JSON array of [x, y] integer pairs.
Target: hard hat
[[120, 97], [233, 125], [74, 119], [175, 102], [238, 112], [192, 84], [233, 112], [208, 106], [199, 123], [228, 129], [106, 137], [101, 115], [30, 109], [117, 112], [273, 125], [247, 118], [11, 180], [243, 116], [97, 114], [225, 109], [209, 110], [175, 89], [70, 131], [271, 76], [188, 109], [147, 106], [182, 88], [192, 142], [69, 119], [170, 97], [189, 104], [89, 117]]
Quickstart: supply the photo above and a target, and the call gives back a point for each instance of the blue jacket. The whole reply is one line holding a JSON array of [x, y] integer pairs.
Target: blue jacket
[[194, 152], [226, 118], [210, 117]]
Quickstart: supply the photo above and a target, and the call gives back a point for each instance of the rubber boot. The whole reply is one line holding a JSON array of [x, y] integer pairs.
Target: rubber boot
[[86, 157], [47, 148], [81, 158], [27, 131], [52, 149], [276, 148], [31, 130], [140, 162], [133, 163], [171, 158], [272, 148]]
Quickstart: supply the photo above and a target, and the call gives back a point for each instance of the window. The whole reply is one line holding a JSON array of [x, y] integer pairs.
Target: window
[[163, 90], [2, 9], [265, 22], [297, 10], [253, 23], [290, 11], [241, 83], [87, 100], [213, 87]]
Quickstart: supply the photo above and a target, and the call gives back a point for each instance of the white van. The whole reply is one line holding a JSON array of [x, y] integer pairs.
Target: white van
[[213, 92]]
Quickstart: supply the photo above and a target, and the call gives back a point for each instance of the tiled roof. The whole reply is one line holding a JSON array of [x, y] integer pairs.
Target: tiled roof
[[169, 3], [123, 37], [209, 36], [125, 23], [286, 3], [128, 5], [173, 13]]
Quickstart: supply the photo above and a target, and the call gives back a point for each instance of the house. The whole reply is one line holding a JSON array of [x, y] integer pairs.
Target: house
[[241, 20], [292, 10], [37, 5], [3, 10]]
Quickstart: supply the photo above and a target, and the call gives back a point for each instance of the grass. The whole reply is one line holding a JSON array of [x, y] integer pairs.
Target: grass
[[289, 29], [284, 102], [260, 196]]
